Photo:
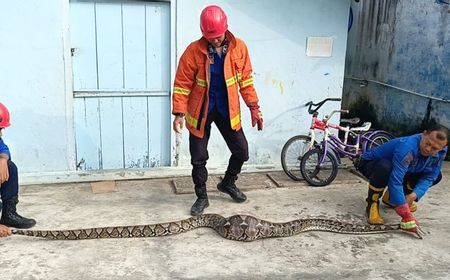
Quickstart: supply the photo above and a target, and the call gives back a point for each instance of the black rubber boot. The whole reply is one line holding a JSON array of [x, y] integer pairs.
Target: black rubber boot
[[202, 201], [10, 217], [227, 186]]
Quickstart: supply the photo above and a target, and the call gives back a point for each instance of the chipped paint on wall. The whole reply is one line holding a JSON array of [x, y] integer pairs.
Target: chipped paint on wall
[[400, 43], [279, 85]]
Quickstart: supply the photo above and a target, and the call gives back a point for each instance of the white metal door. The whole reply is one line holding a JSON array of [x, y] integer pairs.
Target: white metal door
[[121, 74]]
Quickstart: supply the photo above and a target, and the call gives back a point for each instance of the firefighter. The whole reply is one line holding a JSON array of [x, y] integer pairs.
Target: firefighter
[[211, 72], [9, 184]]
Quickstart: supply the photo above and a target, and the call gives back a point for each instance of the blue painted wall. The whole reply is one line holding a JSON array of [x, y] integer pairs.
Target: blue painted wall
[[401, 48], [285, 78], [36, 80], [33, 79]]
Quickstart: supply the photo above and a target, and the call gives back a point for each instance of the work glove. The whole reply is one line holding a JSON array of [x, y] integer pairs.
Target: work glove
[[256, 115], [408, 223]]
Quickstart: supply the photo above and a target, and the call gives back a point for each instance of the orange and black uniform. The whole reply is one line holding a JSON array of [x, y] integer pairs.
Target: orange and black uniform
[[196, 82]]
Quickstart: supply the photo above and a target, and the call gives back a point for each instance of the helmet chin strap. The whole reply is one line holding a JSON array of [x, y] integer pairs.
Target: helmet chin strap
[[225, 41]]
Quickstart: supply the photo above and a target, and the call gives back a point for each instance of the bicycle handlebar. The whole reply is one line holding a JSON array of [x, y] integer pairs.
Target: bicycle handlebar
[[326, 118], [310, 104]]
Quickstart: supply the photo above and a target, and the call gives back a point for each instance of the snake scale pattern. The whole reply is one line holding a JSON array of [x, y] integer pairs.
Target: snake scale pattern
[[237, 227]]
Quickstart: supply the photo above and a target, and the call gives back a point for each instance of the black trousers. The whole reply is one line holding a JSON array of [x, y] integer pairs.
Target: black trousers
[[379, 171], [10, 188], [198, 148]]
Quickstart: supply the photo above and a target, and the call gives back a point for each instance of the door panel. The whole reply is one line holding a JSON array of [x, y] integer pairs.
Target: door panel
[[158, 51], [111, 132], [136, 149], [134, 46], [82, 32], [109, 45], [87, 127], [158, 108], [121, 58]]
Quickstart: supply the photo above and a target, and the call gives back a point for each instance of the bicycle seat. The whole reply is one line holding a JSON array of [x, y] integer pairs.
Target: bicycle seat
[[351, 121], [365, 127]]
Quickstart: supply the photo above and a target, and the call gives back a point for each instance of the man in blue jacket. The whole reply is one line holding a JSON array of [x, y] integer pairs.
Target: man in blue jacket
[[9, 184], [408, 166]]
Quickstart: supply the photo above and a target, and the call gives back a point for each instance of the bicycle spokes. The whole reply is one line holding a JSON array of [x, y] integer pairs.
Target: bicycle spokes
[[319, 169], [292, 153]]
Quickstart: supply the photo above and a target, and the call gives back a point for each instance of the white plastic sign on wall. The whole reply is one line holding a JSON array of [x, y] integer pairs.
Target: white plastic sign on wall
[[319, 46]]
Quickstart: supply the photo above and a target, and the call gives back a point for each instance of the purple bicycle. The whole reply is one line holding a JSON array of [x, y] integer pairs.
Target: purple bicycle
[[296, 147], [319, 166]]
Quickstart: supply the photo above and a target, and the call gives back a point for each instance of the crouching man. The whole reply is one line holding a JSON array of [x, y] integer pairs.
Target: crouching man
[[408, 166], [9, 185]]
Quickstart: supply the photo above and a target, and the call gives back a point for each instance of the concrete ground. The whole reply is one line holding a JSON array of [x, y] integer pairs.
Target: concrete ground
[[203, 254]]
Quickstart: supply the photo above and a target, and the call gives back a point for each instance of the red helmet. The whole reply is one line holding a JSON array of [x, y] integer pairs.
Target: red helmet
[[4, 116], [213, 22]]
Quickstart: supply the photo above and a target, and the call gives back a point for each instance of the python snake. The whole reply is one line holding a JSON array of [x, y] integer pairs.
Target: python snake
[[238, 227]]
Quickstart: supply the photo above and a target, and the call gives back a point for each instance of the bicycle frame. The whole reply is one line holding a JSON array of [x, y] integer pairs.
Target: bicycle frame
[[324, 125], [336, 145], [332, 142], [317, 124], [348, 141]]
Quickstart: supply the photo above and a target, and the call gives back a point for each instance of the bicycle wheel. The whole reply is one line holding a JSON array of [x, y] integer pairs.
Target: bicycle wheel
[[377, 139], [292, 154], [315, 174]]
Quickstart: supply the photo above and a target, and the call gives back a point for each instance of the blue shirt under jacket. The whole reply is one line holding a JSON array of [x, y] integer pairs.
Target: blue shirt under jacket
[[218, 94], [4, 149]]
